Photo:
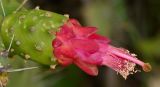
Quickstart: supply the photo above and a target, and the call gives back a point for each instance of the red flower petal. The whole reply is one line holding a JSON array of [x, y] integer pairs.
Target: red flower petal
[[65, 61], [85, 45], [65, 51], [56, 43], [99, 38], [84, 31], [61, 58], [74, 22], [65, 33], [94, 58], [90, 69]]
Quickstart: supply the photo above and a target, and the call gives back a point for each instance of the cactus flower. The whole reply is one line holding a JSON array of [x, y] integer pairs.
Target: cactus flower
[[72, 43], [75, 44]]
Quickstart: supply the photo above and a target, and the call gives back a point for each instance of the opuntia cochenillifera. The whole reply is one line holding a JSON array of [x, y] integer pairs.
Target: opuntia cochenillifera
[[72, 43], [32, 34]]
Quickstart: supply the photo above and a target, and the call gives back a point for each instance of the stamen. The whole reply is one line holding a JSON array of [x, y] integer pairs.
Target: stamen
[[128, 68], [147, 67], [133, 59]]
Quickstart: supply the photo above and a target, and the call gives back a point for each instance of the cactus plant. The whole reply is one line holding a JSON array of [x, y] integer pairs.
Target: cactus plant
[[33, 32]]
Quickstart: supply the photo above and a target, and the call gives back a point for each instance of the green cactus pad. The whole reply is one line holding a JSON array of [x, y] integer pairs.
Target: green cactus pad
[[32, 39]]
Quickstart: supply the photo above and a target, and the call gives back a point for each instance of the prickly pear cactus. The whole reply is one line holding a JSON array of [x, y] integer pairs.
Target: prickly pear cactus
[[33, 34]]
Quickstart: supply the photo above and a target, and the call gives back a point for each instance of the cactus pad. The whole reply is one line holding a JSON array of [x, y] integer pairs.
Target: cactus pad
[[32, 34]]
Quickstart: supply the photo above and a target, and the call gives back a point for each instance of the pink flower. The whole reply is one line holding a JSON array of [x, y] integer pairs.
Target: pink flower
[[79, 45]]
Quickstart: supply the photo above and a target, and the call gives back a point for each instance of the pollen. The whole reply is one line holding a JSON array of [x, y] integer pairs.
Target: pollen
[[127, 69]]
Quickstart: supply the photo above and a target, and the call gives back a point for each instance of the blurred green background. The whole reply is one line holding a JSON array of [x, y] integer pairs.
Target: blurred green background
[[132, 24]]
